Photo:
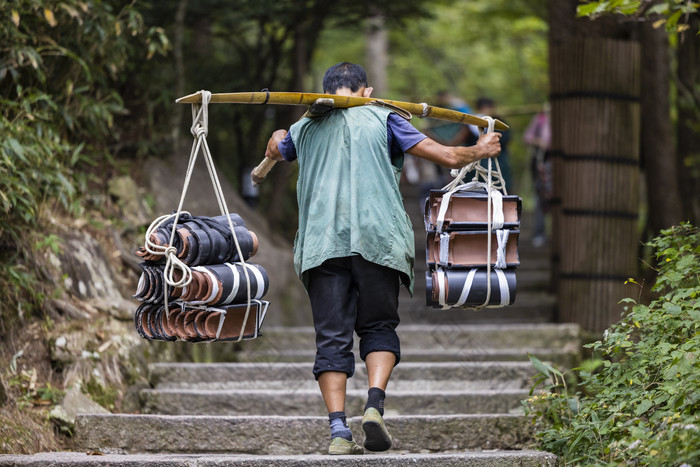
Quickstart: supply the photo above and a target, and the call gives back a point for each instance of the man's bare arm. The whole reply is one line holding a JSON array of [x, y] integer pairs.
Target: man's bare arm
[[456, 157]]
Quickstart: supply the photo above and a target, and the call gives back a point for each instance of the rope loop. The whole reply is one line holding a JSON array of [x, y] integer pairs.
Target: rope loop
[[200, 116], [426, 107]]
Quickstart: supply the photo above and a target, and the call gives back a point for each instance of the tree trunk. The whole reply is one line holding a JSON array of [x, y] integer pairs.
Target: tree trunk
[[658, 153], [377, 56], [178, 39], [689, 122], [595, 87]]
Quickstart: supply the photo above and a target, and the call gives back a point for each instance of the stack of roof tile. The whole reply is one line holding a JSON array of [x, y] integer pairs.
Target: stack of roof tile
[[215, 304], [457, 252]]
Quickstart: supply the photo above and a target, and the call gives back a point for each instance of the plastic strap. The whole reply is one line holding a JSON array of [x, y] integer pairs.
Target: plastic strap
[[503, 286], [444, 249], [441, 288], [259, 280], [443, 210], [236, 283], [214, 288], [222, 318], [467, 288]]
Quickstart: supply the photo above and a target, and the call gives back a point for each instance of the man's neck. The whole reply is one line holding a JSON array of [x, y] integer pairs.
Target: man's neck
[[361, 92]]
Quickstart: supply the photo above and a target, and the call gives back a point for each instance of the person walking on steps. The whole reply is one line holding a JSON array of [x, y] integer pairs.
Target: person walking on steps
[[354, 246]]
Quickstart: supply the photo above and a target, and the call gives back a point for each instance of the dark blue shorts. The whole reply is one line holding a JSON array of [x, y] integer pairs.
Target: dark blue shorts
[[350, 295]]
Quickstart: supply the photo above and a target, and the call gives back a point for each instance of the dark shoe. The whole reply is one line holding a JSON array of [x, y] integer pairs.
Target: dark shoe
[[377, 437], [342, 447]]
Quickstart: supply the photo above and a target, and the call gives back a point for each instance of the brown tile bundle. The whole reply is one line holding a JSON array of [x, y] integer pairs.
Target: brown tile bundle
[[457, 252], [214, 305]]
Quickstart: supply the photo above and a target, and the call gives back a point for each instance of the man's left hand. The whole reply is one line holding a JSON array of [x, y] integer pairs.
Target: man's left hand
[[272, 152]]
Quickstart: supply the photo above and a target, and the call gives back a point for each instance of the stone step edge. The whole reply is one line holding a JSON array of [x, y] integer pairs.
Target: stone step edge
[[494, 458], [255, 434], [350, 392], [221, 375], [521, 352], [480, 328]]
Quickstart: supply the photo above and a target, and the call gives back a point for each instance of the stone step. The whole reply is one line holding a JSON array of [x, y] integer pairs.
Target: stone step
[[299, 402], [530, 307], [408, 376], [279, 435], [487, 337], [524, 458], [559, 357]]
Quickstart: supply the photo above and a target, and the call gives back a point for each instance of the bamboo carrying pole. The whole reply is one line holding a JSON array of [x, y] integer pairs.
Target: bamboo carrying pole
[[340, 102], [596, 127]]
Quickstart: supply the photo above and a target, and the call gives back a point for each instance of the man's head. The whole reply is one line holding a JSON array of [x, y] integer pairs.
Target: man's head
[[345, 76]]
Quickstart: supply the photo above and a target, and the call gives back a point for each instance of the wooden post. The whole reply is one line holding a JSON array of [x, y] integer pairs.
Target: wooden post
[[595, 89]]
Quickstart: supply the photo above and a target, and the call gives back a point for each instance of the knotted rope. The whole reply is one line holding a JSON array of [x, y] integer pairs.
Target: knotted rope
[[199, 130]]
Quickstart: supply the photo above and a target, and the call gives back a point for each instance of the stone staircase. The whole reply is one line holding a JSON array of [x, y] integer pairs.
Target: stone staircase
[[453, 400]]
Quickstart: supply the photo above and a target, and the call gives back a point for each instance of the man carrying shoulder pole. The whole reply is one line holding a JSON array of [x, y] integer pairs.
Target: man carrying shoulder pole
[[355, 241]]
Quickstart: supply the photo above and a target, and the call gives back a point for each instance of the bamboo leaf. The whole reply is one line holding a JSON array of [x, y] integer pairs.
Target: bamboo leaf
[[48, 14]]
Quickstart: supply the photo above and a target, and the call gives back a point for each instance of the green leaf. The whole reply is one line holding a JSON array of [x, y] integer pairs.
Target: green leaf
[[660, 8], [543, 367], [587, 9], [673, 19]]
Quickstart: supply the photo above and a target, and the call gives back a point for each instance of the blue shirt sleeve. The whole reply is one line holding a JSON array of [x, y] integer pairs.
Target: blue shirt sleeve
[[287, 149], [400, 136]]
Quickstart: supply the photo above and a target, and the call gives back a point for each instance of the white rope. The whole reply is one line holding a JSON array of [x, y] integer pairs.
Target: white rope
[[199, 130], [502, 237], [426, 107]]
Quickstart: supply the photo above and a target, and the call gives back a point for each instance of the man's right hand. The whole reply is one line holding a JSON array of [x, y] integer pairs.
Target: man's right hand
[[489, 145]]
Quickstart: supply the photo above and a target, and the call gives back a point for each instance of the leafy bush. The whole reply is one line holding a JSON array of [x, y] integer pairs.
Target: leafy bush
[[59, 69], [640, 404]]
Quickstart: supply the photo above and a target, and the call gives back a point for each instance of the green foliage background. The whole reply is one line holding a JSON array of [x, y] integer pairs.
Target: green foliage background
[[60, 68], [87, 91], [639, 402]]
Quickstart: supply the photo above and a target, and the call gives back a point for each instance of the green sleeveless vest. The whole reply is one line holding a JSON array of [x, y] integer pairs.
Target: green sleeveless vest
[[348, 193]]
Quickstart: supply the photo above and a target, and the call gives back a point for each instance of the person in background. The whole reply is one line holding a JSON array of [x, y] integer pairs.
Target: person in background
[[487, 107], [538, 137], [249, 191], [355, 245], [447, 133]]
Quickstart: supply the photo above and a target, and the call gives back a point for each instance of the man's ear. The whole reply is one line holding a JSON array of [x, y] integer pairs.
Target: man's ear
[[367, 92]]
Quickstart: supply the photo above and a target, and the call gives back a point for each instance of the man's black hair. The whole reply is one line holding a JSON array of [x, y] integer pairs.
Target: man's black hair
[[344, 75]]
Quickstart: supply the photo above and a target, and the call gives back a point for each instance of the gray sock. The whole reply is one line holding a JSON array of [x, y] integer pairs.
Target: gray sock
[[339, 426]]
